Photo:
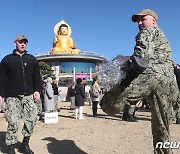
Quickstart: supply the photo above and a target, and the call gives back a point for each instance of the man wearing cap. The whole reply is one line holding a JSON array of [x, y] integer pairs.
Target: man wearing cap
[[157, 82], [20, 84]]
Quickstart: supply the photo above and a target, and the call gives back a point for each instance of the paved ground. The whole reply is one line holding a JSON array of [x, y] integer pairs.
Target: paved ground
[[102, 135]]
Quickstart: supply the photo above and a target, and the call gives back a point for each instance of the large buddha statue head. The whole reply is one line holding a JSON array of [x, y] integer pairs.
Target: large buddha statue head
[[63, 30], [63, 43]]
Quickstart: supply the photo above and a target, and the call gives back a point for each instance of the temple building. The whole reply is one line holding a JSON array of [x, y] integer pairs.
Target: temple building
[[68, 62]]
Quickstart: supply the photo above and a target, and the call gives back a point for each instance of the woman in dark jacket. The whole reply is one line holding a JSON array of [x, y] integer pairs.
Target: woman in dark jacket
[[72, 92], [79, 99]]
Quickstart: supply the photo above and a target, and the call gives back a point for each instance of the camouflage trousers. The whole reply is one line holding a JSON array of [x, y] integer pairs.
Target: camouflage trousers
[[130, 109], [16, 108], [176, 108], [162, 92], [39, 106]]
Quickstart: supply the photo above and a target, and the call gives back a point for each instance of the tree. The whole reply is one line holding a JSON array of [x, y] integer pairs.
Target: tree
[[46, 71]]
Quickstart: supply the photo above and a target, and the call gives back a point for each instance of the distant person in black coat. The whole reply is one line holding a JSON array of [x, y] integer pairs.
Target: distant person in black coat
[[72, 93], [177, 73], [79, 99], [177, 107], [56, 94]]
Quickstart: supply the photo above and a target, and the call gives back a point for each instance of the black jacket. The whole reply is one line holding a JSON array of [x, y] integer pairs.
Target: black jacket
[[72, 92], [55, 89], [19, 75], [177, 73], [80, 95]]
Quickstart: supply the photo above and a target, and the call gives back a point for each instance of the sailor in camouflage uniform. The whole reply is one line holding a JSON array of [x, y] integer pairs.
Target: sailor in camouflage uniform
[[20, 84], [157, 82]]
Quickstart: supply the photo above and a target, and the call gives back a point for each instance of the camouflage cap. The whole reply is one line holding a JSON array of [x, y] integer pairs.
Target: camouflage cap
[[20, 37], [144, 13]]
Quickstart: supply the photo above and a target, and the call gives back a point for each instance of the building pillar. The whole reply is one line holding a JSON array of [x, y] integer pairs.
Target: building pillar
[[74, 74], [57, 72], [90, 73]]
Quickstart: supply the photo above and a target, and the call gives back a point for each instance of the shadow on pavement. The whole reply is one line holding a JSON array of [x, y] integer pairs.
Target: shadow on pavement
[[62, 146]]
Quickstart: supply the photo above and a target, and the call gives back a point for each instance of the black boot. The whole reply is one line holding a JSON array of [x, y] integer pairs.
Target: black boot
[[131, 118], [24, 148], [11, 149], [94, 108], [125, 114], [41, 117], [178, 121], [94, 112], [134, 114]]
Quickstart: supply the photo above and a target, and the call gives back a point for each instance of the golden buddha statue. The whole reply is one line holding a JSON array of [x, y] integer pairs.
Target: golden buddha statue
[[63, 43]]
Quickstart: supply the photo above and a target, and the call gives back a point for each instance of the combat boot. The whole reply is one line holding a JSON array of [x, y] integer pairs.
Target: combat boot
[[24, 148], [11, 149], [131, 118], [125, 114], [134, 114], [178, 121], [125, 117]]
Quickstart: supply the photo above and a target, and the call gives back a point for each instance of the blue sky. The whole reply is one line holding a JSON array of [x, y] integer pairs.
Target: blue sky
[[101, 26]]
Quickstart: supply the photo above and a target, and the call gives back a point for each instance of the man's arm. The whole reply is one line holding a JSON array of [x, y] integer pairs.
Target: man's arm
[[37, 78], [37, 81], [3, 76], [144, 44]]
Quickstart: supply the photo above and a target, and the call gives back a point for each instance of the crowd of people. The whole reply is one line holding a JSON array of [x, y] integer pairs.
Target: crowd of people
[[79, 93]]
